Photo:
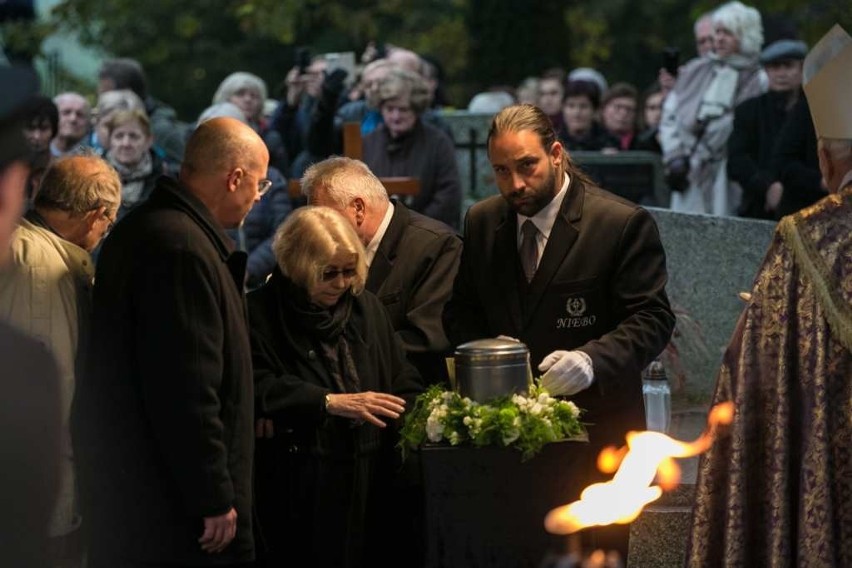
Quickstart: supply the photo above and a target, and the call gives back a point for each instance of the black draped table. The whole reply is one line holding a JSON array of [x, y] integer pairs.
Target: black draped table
[[486, 508]]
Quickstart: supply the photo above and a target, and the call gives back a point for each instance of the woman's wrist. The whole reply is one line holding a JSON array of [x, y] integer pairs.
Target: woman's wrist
[[327, 404]]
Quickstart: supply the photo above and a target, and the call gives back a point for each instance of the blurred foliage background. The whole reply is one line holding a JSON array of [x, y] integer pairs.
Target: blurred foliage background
[[187, 48]]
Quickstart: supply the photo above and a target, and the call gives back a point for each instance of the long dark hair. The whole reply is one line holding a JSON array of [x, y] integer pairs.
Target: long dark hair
[[517, 118]]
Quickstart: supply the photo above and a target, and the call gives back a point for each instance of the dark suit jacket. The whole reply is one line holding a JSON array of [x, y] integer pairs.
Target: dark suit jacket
[[163, 418], [757, 122], [412, 274], [599, 288]]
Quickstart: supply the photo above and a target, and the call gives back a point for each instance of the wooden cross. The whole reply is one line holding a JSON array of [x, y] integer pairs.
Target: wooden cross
[[353, 148]]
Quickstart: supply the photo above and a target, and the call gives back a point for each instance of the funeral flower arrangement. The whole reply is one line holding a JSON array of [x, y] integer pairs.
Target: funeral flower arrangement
[[523, 422]]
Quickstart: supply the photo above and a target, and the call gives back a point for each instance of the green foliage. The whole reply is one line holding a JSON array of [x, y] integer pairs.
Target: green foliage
[[523, 422], [23, 39], [187, 48]]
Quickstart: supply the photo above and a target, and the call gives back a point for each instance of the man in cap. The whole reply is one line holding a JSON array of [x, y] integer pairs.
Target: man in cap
[[757, 122], [776, 491], [29, 408]]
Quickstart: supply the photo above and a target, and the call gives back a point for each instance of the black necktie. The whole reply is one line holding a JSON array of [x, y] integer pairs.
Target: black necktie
[[529, 249]]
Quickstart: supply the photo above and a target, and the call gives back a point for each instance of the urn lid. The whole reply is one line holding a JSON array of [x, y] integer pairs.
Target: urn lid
[[493, 351]]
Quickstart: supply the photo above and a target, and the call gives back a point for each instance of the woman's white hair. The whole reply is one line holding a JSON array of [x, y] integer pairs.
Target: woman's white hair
[[237, 81], [744, 22], [222, 109]]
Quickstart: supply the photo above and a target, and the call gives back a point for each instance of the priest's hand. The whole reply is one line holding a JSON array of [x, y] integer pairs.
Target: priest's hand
[[566, 372], [365, 406]]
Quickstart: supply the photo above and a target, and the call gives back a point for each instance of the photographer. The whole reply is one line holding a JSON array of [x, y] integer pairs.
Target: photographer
[[292, 118]]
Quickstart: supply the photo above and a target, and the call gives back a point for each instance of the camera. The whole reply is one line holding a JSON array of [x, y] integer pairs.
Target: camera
[[303, 59]]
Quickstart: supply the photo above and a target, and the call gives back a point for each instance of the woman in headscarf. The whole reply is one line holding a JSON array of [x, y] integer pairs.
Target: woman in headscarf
[[330, 379], [698, 113]]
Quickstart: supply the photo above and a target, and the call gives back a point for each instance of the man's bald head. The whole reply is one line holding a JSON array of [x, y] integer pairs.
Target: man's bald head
[[224, 163], [220, 144]]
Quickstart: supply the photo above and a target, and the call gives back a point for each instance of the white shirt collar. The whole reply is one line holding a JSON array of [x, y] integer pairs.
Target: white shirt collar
[[373, 247], [545, 218]]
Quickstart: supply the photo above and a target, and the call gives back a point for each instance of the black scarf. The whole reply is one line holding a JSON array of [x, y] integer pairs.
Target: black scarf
[[327, 326]]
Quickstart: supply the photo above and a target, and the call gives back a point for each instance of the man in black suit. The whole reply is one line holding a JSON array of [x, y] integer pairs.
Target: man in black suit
[[163, 417], [412, 258], [572, 271]]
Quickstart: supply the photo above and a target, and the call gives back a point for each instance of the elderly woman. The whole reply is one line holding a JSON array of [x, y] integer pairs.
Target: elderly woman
[[248, 92], [108, 103], [129, 151], [330, 379], [245, 90], [406, 146], [698, 113]]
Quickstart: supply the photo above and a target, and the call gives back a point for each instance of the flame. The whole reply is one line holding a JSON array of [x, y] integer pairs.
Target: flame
[[648, 455]]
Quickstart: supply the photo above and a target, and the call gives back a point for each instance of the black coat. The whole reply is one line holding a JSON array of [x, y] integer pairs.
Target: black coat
[[599, 288], [322, 482], [795, 159], [412, 274], [757, 122], [424, 153], [163, 418]]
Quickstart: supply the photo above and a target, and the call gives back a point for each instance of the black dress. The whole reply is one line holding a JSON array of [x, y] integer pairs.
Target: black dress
[[323, 483]]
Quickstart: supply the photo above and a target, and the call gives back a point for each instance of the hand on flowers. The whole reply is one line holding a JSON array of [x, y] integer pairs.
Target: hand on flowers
[[219, 531], [566, 372], [366, 406]]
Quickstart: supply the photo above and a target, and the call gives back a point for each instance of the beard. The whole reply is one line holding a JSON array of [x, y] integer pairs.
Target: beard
[[536, 198]]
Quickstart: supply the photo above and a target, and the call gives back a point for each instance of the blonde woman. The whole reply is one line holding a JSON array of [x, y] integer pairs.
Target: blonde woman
[[330, 379]]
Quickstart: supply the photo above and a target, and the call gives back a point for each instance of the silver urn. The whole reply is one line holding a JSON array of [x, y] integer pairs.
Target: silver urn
[[489, 368]]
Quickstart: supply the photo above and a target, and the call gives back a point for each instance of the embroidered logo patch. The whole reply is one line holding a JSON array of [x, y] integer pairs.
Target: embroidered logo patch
[[576, 308]]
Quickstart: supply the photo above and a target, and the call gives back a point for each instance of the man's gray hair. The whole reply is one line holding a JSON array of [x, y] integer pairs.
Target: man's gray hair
[[78, 184], [344, 179]]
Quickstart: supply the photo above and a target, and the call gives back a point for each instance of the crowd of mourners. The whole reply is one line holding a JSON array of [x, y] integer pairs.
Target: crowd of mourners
[[731, 127]]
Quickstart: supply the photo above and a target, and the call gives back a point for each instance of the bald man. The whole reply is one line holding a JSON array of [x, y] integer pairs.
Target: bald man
[[163, 418]]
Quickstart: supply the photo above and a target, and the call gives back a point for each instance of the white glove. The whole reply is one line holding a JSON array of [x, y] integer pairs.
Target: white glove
[[566, 372]]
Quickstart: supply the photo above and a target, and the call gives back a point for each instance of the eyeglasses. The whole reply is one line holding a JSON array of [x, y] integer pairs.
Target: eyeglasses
[[263, 186], [330, 274], [111, 224]]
